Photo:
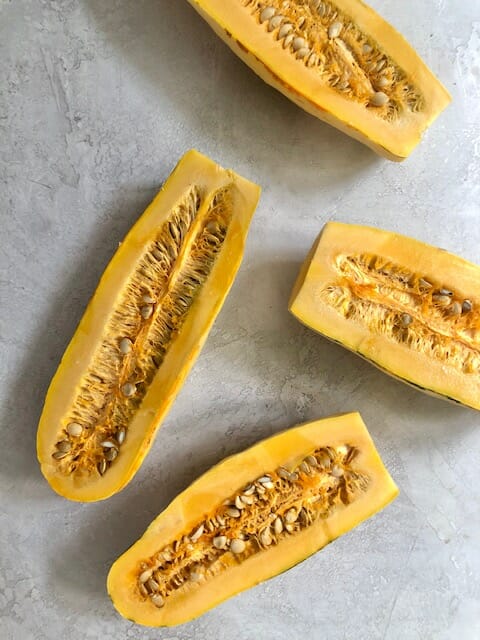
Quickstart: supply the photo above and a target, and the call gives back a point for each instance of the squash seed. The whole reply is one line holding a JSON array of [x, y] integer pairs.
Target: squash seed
[[337, 471], [233, 512], [441, 300], [284, 30], [102, 467], [275, 22], [111, 454], [198, 533], [455, 309], [74, 429], [406, 319], [237, 546], [128, 389], [379, 99], [145, 575], [146, 311], [121, 436], [158, 600], [153, 585], [126, 346], [467, 306], [267, 13], [108, 444], [265, 537], [299, 43], [291, 516], [239, 503], [58, 455], [220, 542], [334, 30], [278, 525], [148, 299], [301, 53], [64, 446]]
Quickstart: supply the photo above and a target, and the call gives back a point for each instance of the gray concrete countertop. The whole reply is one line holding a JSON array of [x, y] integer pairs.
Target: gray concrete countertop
[[98, 100]]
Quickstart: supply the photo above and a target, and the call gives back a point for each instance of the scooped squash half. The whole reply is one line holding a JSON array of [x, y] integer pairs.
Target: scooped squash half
[[408, 307], [340, 61], [143, 329], [251, 517]]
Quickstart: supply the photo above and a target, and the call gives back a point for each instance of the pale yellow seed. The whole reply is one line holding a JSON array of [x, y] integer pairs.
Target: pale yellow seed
[[197, 534], [146, 575], [239, 503], [275, 22], [337, 471], [237, 546], [125, 346], [278, 525], [74, 429], [220, 542], [128, 389], [302, 53], [290, 516], [267, 13], [284, 30], [153, 585], [146, 311], [379, 99], [382, 82], [299, 43], [58, 455], [265, 538], [288, 40], [158, 600], [334, 29], [233, 512], [148, 299]]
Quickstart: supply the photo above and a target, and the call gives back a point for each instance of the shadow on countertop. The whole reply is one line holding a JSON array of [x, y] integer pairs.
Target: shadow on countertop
[[224, 104]]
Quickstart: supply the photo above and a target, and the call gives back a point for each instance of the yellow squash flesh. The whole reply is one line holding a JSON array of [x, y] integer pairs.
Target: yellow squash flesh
[[410, 308], [338, 61], [156, 300], [228, 574]]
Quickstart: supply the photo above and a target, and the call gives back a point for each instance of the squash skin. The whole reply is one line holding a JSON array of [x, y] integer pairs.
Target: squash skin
[[193, 168], [435, 377], [395, 142], [217, 484]]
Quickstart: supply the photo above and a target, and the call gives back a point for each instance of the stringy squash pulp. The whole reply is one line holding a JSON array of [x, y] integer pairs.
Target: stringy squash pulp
[[340, 61], [251, 517], [143, 329], [410, 308]]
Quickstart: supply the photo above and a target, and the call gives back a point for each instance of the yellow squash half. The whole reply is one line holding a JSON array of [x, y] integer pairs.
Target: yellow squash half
[[143, 329], [411, 309], [251, 517], [340, 61]]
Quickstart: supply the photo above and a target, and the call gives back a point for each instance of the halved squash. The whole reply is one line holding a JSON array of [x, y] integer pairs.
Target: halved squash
[[143, 329], [251, 517], [411, 309], [338, 60]]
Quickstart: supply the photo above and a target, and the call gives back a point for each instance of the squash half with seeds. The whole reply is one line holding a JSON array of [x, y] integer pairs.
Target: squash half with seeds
[[143, 329], [338, 60], [410, 308], [252, 517]]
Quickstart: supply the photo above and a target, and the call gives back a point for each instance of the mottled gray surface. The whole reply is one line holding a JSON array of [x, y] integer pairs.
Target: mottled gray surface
[[98, 101]]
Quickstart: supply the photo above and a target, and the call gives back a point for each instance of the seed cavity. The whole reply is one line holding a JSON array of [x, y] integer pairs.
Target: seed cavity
[[228, 535], [388, 299], [346, 60]]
